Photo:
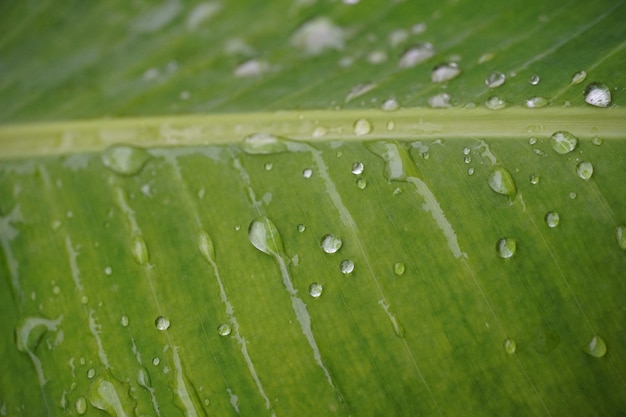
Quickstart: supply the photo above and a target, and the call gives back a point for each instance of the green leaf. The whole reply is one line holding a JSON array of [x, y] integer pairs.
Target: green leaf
[[221, 209]]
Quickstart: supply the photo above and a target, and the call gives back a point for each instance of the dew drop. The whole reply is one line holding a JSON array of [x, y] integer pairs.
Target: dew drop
[[510, 346], [108, 270], [361, 183], [301, 228], [534, 179], [552, 219], [264, 236], [162, 323], [307, 173], [143, 378], [56, 290], [416, 54], [362, 127], [467, 159], [318, 35], [495, 79], [573, 195], [563, 142], [506, 247], [439, 101], [597, 141], [81, 405], [156, 361], [470, 171], [398, 268], [495, 103], [357, 168], [105, 395], [596, 347], [532, 141], [268, 166], [377, 57], [224, 329], [315, 290], [319, 132], [579, 77], [501, 181], [206, 247], [597, 94], [263, 144], [330, 243], [390, 104], [346, 266], [536, 102], [91, 373], [390, 125], [534, 79], [125, 159], [124, 321], [584, 170], [140, 250], [621, 236], [445, 72]]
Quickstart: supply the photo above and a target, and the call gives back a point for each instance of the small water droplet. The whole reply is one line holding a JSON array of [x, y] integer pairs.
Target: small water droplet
[[584, 170], [534, 179], [596, 347], [425, 155], [445, 72], [573, 195], [534, 79], [359, 90], [532, 141], [470, 171], [264, 236], [125, 159], [156, 361], [536, 102], [552, 219], [390, 125], [563, 142], [301, 228], [124, 321], [263, 144], [416, 54], [597, 141], [506, 247], [439, 101], [319, 132], [206, 247], [495, 103], [398, 268], [162, 323], [502, 182], [140, 250], [390, 104], [224, 329], [495, 79], [579, 77], [467, 159], [357, 168], [315, 290], [330, 243], [346, 266], [108, 270], [81, 405], [597, 94], [466, 151], [510, 346], [91, 373], [362, 127], [84, 299], [268, 166], [376, 57], [361, 183], [621, 236]]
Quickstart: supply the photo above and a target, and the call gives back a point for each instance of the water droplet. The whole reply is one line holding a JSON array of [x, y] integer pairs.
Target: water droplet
[[362, 127], [573, 195], [56, 290], [315, 290], [268, 166], [301, 228], [502, 182], [156, 361], [445, 72], [597, 94], [416, 54], [466, 151], [596, 347], [495, 79], [536, 102], [397, 37], [124, 321], [552, 219], [534, 79], [318, 35], [532, 141], [470, 171], [377, 57], [597, 141], [398, 268], [579, 77], [105, 395], [584, 170], [319, 132], [495, 103], [251, 68], [357, 168], [359, 90], [206, 247], [264, 236], [330, 243], [534, 179], [91, 373], [224, 329], [307, 173], [510, 346], [162, 323], [439, 101], [391, 104], [506, 247], [467, 159], [125, 159], [563, 142], [425, 155], [140, 250], [81, 405], [346, 266], [390, 125], [361, 183], [108, 270], [143, 378], [263, 144], [621, 236]]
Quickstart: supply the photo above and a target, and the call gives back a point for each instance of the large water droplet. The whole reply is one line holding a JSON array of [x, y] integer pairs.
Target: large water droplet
[[510, 346], [125, 159], [495, 103], [416, 54], [552, 219], [162, 323], [357, 168], [81, 405], [506, 247], [264, 236], [563, 142], [495, 79], [584, 170], [330, 243], [596, 347], [224, 329], [597, 94], [445, 72], [140, 250], [579, 77], [263, 144], [398, 268], [143, 378], [621, 236], [502, 182], [346, 266], [108, 396], [315, 290], [362, 127], [536, 102]]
